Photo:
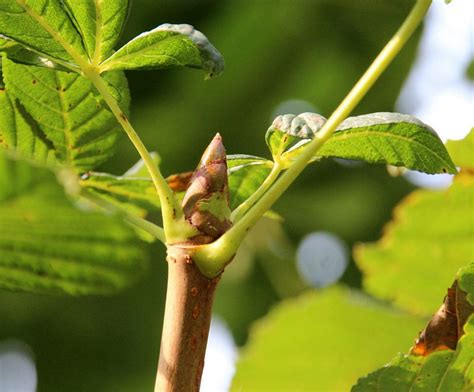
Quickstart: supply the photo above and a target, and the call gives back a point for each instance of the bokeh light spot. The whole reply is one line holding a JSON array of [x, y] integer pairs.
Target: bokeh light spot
[[17, 367], [321, 259]]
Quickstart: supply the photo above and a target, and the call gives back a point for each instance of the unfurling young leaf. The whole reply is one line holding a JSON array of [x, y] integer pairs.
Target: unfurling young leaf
[[288, 132], [49, 246], [168, 46]]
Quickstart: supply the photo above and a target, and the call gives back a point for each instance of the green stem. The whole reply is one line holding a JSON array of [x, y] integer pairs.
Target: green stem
[[169, 204], [155, 230], [240, 211], [219, 251]]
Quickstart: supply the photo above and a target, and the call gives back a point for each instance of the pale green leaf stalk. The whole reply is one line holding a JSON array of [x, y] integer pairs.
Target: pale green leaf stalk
[[173, 222], [215, 255]]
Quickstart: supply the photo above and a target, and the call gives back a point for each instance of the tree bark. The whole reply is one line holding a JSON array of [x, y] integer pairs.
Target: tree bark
[[186, 325]]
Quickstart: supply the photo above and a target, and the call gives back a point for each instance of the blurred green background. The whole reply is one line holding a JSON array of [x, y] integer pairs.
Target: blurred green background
[[275, 51]]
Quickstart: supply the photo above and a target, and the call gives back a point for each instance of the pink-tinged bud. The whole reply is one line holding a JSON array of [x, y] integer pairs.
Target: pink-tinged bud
[[206, 201]]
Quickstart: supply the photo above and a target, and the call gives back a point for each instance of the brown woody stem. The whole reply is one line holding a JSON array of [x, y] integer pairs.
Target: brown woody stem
[[190, 294], [186, 325]]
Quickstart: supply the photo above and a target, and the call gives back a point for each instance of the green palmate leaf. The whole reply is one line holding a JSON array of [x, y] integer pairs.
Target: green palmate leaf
[[389, 138], [167, 46], [429, 239], [49, 246], [42, 26], [15, 177], [99, 23], [19, 133], [246, 174], [444, 370], [328, 353], [64, 113], [462, 151]]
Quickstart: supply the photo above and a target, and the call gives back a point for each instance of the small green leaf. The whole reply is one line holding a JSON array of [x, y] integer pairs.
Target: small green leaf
[[330, 337], [246, 174], [48, 246], [99, 23], [167, 46], [462, 151], [133, 192], [134, 195], [390, 138], [428, 240], [65, 113], [42, 26]]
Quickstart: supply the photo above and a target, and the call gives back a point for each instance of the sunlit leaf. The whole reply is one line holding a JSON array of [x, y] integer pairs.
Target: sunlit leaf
[[428, 240], [462, 151], [43, 26], [389, 138], [329, 339], [99, 23], [65, 114], [20, 54], [168, 46], [49, 246]]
